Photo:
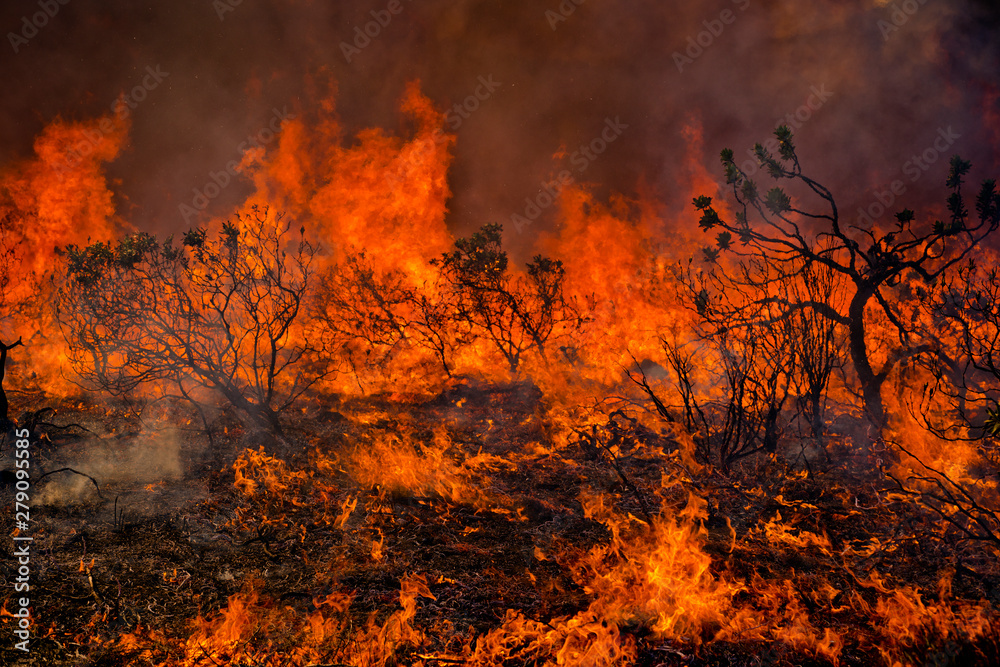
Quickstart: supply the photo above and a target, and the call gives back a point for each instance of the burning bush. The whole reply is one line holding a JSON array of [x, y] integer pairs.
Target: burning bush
[[775, 243], [370, 317], [213, 314], [760, 363], [517, 314], [740, 413], [967, 310]]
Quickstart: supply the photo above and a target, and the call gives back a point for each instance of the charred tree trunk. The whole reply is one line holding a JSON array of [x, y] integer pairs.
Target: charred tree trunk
[[815, 408], [871, 382], [771, 428], [5, 422], [258, 414]]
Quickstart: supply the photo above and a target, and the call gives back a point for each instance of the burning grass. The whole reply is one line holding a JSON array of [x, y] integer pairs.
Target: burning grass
[[460, 541]]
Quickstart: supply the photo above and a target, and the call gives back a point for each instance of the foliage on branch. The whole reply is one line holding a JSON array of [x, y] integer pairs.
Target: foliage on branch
[[778, 239], [213, 313], [518, 314]]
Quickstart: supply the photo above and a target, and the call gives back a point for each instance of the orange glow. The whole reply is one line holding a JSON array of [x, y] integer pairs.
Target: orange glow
[[58, 197], [600, 422]]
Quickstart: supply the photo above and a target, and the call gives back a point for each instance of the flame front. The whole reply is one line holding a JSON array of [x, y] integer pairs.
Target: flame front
[[581, 447]]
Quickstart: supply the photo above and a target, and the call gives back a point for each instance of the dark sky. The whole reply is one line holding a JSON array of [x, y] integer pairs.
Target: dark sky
[[888, 92]]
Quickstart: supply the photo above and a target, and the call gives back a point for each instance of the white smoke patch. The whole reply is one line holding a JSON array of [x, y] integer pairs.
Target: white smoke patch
[[115, 465]]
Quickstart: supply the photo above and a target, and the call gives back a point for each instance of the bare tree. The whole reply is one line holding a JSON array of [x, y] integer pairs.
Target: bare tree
[[214, 314], [966, 368], [518, 314], [732, 384], [817, 342], [811, 345], [774, 239], [368, 316]]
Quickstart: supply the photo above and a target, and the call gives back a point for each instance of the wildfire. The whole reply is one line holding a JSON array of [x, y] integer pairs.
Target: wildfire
[[58, 197], [578, 427]]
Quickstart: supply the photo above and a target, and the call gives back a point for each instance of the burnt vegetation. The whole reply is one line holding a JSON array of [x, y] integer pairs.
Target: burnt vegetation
[[369, 317], [456, 484], [212, 314], [776, 246], [9, 259], [519, 314]]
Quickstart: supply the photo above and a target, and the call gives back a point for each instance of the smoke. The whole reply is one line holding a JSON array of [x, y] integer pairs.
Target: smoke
[[896, 72], [145, 460]]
